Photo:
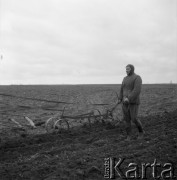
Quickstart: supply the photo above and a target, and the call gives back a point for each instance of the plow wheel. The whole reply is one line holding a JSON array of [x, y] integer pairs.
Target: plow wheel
[[61, 124], [49, 125]]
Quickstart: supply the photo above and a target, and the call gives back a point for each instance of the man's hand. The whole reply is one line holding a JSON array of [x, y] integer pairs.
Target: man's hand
[[126, 100]]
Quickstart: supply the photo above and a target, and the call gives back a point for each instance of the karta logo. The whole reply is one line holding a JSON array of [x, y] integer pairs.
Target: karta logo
[[113, 169]]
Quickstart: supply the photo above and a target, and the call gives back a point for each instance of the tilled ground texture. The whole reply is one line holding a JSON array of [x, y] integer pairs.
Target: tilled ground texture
[[79, 153]]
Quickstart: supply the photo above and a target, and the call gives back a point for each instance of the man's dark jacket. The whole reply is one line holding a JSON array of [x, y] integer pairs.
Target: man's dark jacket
[[131, 88]]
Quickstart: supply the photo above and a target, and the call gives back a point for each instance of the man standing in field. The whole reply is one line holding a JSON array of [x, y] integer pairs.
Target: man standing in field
[[129, 96]]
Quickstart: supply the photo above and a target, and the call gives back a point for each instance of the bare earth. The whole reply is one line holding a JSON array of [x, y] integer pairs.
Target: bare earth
[[79, 153]]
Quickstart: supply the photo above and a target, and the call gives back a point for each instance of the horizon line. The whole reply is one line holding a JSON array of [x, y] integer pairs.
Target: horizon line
[[78, 84]]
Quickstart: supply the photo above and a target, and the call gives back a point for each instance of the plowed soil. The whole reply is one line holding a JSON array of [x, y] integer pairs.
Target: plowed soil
[[80, 152]]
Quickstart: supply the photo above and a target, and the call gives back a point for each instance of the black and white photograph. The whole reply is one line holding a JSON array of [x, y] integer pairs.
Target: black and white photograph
[[88, 89]]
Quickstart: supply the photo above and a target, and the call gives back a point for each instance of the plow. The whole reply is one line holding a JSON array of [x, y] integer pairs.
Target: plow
[[61, 120]]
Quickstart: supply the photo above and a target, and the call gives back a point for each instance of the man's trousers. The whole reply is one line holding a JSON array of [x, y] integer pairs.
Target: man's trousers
[[130, 113]]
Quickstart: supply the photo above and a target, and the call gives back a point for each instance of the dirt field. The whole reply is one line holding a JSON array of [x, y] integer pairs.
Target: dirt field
[[79, 153]]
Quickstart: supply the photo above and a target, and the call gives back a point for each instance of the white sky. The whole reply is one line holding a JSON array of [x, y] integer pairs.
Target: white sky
[[87, 41]]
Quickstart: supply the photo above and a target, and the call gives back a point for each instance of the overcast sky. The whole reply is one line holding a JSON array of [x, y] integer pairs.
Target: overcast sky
[[87, 41]]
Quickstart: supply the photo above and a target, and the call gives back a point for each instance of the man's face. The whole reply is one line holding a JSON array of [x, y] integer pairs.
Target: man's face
[[128, 70]]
